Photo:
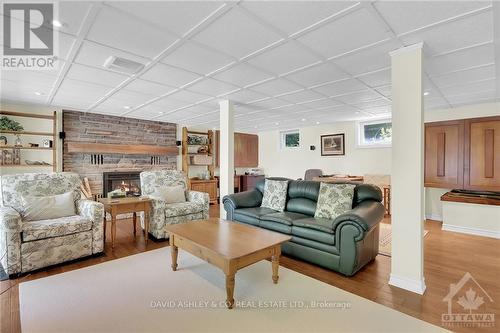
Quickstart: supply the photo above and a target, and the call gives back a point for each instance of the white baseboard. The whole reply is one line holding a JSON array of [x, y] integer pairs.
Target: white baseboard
[[416, 286], [434, 217], [471, 231]]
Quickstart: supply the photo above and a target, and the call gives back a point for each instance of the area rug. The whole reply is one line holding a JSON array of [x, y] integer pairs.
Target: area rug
[[141, 293], [385, 239]]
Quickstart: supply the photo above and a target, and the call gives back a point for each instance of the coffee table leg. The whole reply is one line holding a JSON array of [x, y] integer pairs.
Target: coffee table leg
[[230, 291], [174, 251], [276, 264]]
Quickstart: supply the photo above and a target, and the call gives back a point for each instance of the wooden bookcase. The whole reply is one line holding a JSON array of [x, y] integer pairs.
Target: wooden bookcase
[[52, 135]]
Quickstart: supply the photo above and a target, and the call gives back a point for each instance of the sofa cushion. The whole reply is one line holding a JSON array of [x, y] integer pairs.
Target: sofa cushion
[[334, 200], [276, 226], [323, 246], [301, 205], [283, 217], [314, 234], [34, 230], [275, 193], [251, 215], [182, 209], [319, 224]]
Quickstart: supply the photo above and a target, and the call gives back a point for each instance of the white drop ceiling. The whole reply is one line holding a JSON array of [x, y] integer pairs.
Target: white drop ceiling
[[284, 64]]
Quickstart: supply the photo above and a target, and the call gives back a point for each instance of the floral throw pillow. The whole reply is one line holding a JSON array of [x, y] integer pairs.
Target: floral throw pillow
[[334, 200], [275, 192]]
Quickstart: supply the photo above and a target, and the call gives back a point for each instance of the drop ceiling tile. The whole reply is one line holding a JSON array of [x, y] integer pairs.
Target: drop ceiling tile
[[65, 44], [176, 16], [168, 103], [302, 96], [128, 34], [385, 90], [465, 76], [292, 16], [321, 103], [340, 87], [404, 16], [276, 87], [79, 94], [358, 97], [376, 78], [188, 96], [270, 103], [23, 91], [92, 54], [368, 60], [242, 75], [112, 106], [148, 111], [148, 87], [371, 104], [283, 59], [454, 35], [42, 79], [331, 40], [95, 75], [473, 98], [72, 14], [470, 88], [169, 75], [244, 96], [433, 102], [197, 59], [236, 34], [212, 87], [132, 98], [317, 74], [472, 57]]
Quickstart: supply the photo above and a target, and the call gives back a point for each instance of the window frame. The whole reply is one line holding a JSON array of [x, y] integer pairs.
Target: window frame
[[360, 127], [283, 139]]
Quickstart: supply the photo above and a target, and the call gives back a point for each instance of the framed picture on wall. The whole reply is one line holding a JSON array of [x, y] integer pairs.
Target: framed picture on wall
[[332, 145]]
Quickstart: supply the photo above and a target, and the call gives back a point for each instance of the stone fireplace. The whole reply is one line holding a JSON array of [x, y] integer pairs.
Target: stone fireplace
[[126, 181], [98, 146]]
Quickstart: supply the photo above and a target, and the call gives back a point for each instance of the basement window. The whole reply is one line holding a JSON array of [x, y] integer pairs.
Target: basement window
[[375, 134], [290, 139]]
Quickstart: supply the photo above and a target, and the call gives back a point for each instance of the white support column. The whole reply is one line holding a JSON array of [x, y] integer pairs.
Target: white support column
[[407, 179], [226, 152]]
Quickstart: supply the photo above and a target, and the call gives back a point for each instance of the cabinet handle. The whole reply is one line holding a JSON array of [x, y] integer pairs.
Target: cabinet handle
[[441, 154], [489, 152]]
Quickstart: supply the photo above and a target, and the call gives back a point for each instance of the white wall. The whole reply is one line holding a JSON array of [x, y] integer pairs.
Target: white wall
[[357, 161], [37, 125], [292, 163]]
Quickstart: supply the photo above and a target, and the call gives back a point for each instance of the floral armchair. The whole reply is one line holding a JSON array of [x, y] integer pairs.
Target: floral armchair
[[195, 208], [30, 245]]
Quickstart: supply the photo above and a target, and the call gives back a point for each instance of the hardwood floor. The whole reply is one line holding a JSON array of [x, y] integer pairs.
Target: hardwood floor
[[448, 256]]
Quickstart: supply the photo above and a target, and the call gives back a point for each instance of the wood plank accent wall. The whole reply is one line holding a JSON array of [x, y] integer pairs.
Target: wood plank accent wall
[[104, 130]]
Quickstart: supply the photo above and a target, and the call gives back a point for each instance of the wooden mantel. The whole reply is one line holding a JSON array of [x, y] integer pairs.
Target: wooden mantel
[[111, 148]]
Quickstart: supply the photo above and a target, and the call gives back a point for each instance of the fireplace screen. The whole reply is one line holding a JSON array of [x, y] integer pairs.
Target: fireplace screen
[[128, 182]]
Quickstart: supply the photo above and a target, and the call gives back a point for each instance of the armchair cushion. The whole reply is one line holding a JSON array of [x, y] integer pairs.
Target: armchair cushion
[[10, 220], [182, 209], [34, 230], [170, 194], [37, 208]]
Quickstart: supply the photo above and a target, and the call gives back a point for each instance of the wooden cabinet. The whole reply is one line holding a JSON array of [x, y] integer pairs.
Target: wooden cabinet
[[246, 150], [248, 182], [463, 154], [482, 154], [207, 186], [444, 154]]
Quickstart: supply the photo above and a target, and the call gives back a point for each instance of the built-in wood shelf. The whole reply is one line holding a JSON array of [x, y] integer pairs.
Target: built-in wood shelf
[[26, 133], [111, 148], [26, 165], [33, 148]]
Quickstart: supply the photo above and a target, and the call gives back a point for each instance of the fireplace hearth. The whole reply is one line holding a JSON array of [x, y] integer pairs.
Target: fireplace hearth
[[128, 181]]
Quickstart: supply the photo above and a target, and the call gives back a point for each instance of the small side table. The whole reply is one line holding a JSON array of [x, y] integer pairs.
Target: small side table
[[387, 200], [124, 206]]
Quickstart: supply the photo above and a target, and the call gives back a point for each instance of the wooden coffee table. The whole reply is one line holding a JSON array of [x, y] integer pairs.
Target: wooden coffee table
[[227, 245], [124, 206]]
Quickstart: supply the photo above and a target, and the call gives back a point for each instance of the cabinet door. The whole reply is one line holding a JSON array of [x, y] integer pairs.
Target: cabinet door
[[212, 190], [444, 154], [200, 187], [482, 154]]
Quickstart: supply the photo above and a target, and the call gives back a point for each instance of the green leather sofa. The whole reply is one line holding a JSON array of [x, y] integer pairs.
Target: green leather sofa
[[344, 245]]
